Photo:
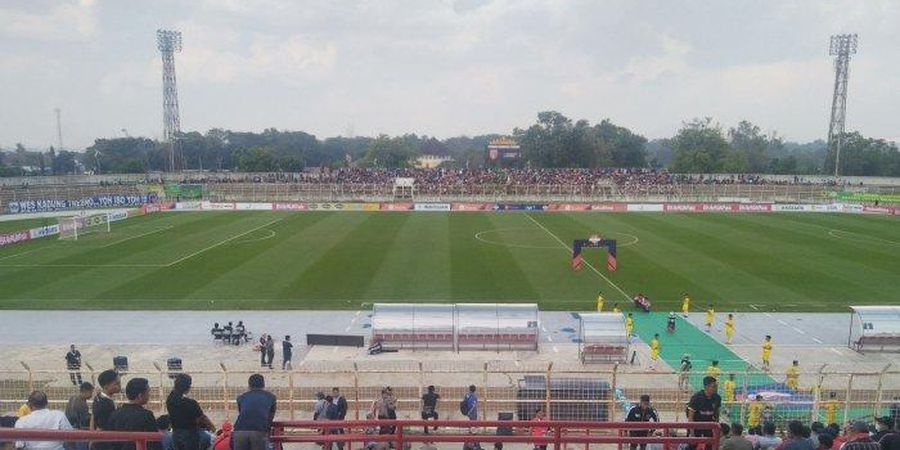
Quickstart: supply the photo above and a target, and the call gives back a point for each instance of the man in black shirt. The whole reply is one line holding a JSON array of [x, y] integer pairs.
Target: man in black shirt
[[287, 352], [132, 416], [642, 412], [429, 406], [104, 405], [339, 410], [186, 415], [73, 364], [705, 405]]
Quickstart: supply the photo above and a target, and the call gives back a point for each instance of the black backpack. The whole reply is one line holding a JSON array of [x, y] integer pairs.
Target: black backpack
[[464, 407]]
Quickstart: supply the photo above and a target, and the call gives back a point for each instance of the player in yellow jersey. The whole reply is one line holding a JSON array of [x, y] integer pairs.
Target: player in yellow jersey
[[766, 352], [629, 326], [729, 387], [654, 351], [831, 407], [710, 318], [616, 308], [600, 301], [754, 416], [793, 376], [729, 329], [713, 370], [685, 304]]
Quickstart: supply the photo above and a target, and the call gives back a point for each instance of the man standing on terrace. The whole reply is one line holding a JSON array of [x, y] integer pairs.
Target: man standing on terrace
[[704, 406]]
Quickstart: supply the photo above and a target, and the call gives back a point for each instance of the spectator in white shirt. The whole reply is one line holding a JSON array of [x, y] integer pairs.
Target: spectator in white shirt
[[42, 418]]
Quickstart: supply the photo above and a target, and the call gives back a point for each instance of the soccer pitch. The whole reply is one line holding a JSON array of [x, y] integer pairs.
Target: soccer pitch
[[337, 260]]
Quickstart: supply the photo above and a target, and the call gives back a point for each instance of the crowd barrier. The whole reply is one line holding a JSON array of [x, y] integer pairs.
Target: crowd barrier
[[140, 439], [571, 390]]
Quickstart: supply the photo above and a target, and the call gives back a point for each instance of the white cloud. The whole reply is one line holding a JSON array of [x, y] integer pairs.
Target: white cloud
[[64, 21]]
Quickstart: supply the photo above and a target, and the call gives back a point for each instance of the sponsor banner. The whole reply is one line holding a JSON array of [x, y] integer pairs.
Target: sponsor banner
[[289, 206], [188, 206], [644, 207], [472, 207], [253, 206], [431, 207], [116, 216], [568, 207], [879, 210], [682, 207], [360, 206], [326, 206], [49, 230], [151, 208], [828, 208], [851, 208], [518, 207], [215, 206], [754, 207], [609, 207], [12, 238], [792, 208], [396, 206], [845, 196], [718, 207], [97, 201]]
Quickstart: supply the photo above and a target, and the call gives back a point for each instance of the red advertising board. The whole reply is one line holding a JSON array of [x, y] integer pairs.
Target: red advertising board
[[396, 206], [290, 206], [754, 207], [472, 207], [569, 207], [879, 210], [682, 207], [718, 207], [12, 238]]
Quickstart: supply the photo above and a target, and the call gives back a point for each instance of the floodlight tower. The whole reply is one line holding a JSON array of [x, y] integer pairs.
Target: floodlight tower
[[169, 42], [842, 46], [58, 128]]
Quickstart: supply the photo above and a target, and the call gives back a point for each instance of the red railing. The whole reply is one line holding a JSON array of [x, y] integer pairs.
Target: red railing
[[559, 433], [140, 439]]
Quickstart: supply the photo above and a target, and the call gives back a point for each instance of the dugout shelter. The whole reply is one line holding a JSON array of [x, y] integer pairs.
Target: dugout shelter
[[602, 338], [874, 329]]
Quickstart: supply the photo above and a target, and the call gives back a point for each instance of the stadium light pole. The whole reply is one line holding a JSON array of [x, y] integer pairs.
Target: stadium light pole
[[169, 42], [841, 47]]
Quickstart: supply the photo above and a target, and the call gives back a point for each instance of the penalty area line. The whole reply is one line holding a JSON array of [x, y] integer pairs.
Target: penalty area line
[[567, 249], [202, 250]]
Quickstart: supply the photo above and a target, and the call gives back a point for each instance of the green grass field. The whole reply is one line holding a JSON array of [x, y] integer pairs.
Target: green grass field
[[328, 260]]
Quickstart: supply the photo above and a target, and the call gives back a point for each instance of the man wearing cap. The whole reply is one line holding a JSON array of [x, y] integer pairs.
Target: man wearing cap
[[859, 439], [883, 427], [642, 412], [132, 416], [42, 418]]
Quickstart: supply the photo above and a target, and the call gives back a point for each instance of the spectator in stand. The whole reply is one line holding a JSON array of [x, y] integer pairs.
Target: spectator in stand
[[470, 402], [320, 414], [164, 425], [642, 412], [186, 415], [103, 405], [339, 411], [132, 416], [796, 439], [816, 429], [256, 411], [826, 442], [768, 440], [78, 412], [858, 438], [73, 365], [539, 430], [429, 406], [287, 352], [737, 441], [42, 418], [705, 405], [883, 427], [261, 346], [270, 351], [225, 437]]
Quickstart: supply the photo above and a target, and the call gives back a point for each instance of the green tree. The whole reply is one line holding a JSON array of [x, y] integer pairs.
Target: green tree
[[699, 147], [256, 159], [749, 148], [389, 152]]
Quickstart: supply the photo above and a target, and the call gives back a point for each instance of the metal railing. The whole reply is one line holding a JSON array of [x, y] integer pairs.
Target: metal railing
[[140, 439]]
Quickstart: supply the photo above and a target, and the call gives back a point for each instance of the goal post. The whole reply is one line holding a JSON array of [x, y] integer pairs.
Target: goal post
[[72, 227]]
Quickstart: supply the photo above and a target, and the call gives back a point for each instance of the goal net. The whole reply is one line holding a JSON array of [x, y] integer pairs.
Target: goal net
[[74, 227]]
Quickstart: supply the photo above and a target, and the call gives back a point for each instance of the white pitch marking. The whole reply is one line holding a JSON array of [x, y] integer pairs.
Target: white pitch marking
[[767, 314], [167, 227], [202, 250], [269, 236], [23, 253], [566, 248], [816, 339], [550, 338], [798, 330], [833, 349], [782, 322], [555, 349], [754, 307]]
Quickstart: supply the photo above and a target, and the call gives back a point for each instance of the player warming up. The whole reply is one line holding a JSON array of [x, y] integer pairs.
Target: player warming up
[[629, 326], [654, 351], [729, 329], [710, 318], [600, 301], [793, 376], [766, 352]]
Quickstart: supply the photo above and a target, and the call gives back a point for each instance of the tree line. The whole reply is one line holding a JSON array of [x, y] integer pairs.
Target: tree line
[[554, 140]]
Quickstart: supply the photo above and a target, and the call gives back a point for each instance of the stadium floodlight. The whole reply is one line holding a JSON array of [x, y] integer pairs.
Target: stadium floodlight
[[841, 47], [169, 42]]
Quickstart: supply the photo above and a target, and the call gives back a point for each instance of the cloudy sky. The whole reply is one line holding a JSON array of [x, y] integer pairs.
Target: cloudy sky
[[441, 67]]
